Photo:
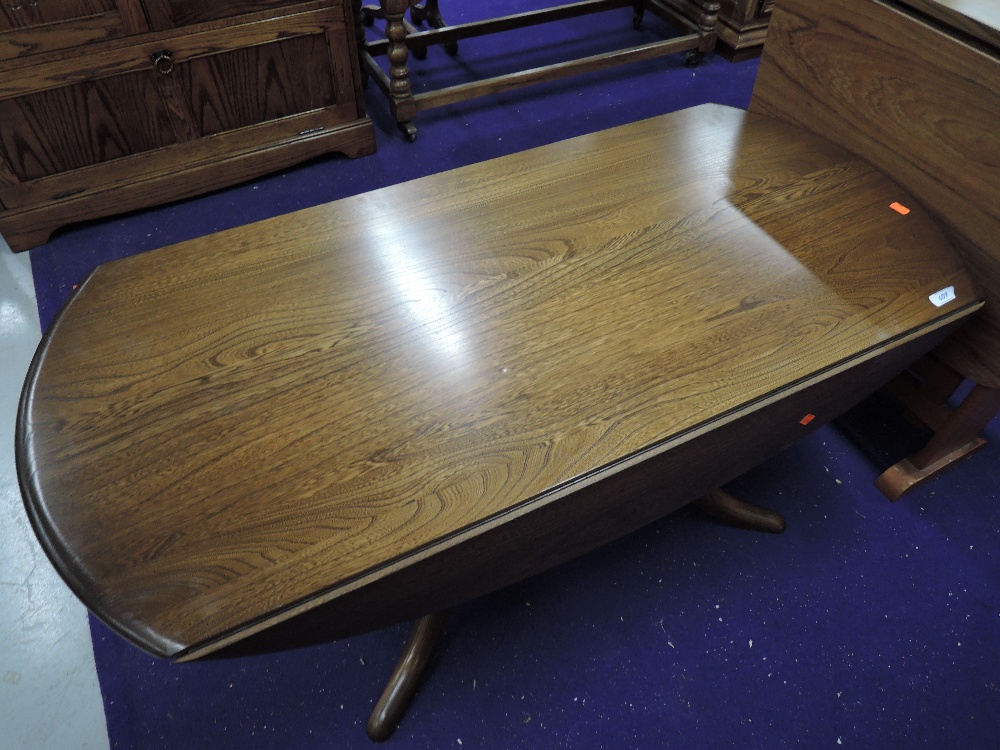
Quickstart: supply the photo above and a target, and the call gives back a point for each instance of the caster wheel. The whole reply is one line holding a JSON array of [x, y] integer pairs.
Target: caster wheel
[[636, 21], [419, 52], [451, 48], [692, 58], [409, 131]]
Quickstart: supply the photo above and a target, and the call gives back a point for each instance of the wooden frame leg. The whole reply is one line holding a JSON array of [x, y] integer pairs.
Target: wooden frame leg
[[431, 13], [955, 439], [402, 685], [401, 98], [725, 508]]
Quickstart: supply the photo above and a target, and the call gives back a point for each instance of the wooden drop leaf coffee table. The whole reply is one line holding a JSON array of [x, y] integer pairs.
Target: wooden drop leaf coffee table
[[375, 409]]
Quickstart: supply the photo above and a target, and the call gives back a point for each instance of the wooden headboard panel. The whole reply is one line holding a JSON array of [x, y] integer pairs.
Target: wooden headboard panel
[[919, 102]]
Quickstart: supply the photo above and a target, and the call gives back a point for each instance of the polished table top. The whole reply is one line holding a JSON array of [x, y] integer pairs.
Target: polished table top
[[221, 433]]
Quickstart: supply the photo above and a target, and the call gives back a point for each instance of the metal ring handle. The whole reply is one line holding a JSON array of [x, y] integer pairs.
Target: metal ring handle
[[163, 62]]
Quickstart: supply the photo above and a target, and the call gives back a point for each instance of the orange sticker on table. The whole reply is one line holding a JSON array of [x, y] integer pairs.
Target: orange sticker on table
[[807, 419], [899, 208]]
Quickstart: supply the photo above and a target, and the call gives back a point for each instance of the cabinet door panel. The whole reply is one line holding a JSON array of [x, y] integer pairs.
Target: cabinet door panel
[[66, 128], [33, 27], [219, 102], [256, 84]]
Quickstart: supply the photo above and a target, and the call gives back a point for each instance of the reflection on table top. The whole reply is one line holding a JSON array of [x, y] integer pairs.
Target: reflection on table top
[[223, 429]]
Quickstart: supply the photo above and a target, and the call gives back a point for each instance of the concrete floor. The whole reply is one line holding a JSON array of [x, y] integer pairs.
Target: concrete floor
[[49, 695]]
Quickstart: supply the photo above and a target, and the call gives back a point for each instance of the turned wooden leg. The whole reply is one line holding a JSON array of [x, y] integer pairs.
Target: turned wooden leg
[[725, 508], [402, 686], [707, 22], [709, 16], [430, 12], [955, 439], [403, 107]]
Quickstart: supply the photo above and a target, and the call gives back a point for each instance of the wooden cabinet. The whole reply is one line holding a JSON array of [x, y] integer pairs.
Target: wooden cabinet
[[30, 27], [113, 105], [742, 25]]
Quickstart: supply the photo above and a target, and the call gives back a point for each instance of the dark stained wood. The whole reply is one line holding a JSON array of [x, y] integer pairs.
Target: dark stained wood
[[186, 172], [19, 15], [513, 22], [915, 102], [511, 81], [939, 381], [32, 41], [724, 507], [696, 20], [226, 91], [913, 87], [32, 28], [405, 678], [100, 129], [495, 364], [742, 26], [82, 54], [570, 525], [129, 173], [67, 128], [956, 438], [428, 11], [106, 60], [171, 13]]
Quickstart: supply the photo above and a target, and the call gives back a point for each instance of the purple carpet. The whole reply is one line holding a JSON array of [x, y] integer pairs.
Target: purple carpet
[[866, 625]]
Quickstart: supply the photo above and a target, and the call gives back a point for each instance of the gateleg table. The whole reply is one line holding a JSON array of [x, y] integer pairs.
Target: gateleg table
[[376, 409]]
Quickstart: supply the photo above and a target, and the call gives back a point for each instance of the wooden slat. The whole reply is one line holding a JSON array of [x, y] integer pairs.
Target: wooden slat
[[500, 84], [456, 32]]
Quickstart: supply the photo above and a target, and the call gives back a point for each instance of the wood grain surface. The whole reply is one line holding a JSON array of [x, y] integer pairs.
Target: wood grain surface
[[90, 126], [979, 20], [170, 13], [916, 101], [219, 434]]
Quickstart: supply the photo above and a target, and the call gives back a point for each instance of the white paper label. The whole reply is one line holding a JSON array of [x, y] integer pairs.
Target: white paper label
[[943, 297]]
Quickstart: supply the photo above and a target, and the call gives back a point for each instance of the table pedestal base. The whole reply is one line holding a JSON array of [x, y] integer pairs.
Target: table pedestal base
[[428, 630], [725, 508], [924, 392], [402, 685], [956, 437]]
